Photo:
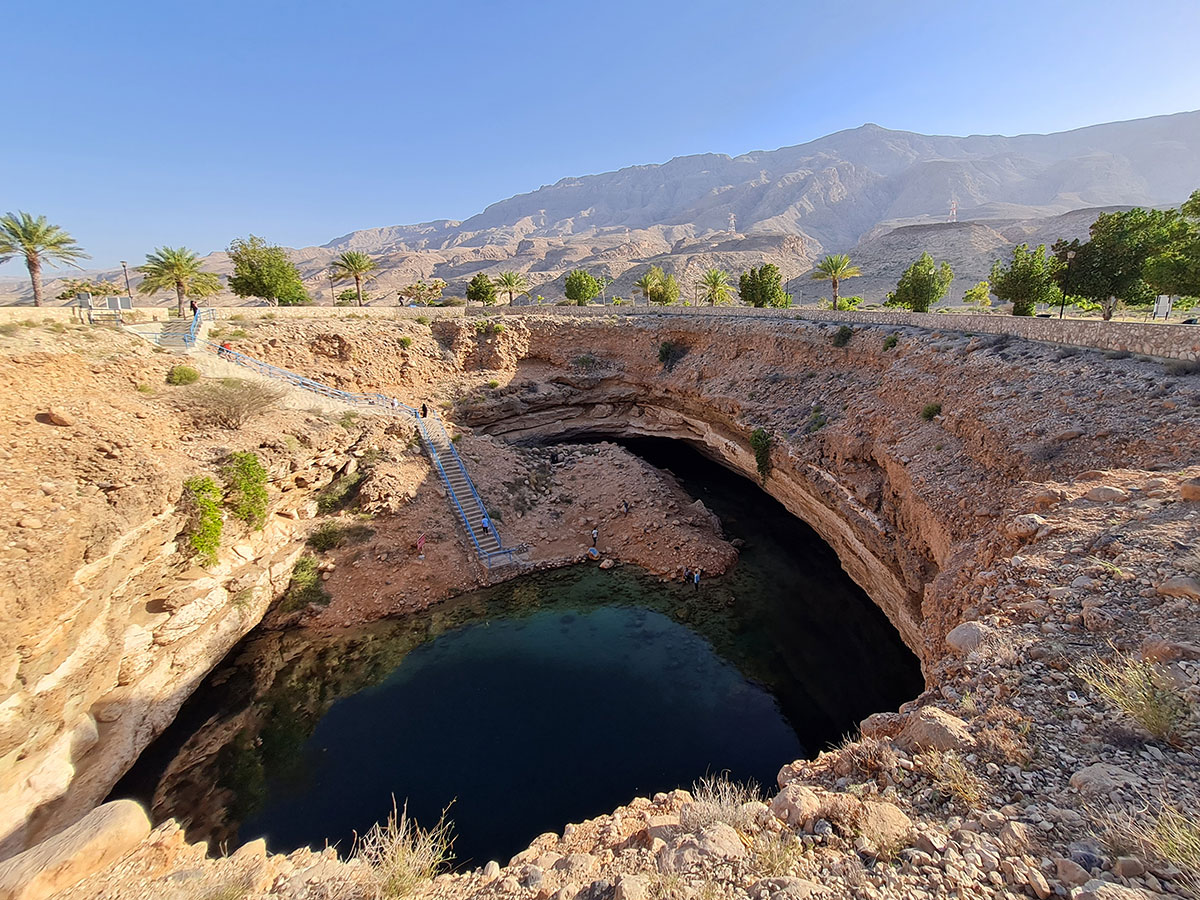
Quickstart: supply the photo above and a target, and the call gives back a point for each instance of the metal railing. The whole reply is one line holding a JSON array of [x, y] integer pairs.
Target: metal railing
[[502, 555]]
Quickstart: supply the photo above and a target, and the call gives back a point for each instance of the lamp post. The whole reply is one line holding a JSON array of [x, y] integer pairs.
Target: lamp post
[[128, 289], [1066, 278]]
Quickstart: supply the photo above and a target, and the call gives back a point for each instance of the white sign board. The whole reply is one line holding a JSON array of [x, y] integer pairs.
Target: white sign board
[[1162, 306]]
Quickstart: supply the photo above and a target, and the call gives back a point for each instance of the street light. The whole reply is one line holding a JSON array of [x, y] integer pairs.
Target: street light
[[1066, 278], [128, 289]]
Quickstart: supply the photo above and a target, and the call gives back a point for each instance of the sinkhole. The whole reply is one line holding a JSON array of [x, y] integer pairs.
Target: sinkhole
[[548, 699]]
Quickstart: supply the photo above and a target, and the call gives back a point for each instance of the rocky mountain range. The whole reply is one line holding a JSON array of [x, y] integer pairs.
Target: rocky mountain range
[[883, 196]]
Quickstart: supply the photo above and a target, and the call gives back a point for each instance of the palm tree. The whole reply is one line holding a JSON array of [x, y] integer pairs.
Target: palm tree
[[178, 268], [834, 268], [511, 283], [37, 240], [353, 264], [714, 287], [648, 284]]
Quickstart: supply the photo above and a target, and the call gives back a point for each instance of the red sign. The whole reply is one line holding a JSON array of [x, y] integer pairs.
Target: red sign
[[421, 543]]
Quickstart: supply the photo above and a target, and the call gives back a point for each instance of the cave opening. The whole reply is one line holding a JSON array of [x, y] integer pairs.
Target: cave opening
[[547, 699]]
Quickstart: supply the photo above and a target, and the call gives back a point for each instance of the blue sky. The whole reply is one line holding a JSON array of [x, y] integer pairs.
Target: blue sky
[[143, 124]]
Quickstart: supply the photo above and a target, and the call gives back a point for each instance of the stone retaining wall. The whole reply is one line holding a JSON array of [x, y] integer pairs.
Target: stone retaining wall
[[1147, 338]]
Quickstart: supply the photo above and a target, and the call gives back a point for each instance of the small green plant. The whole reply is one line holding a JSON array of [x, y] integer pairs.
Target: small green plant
[[400, 855], [202, 500], [456, 438], [8, 329], [760, 443], [930, 411], [422, 320], [890, 341], [816, 420], [178, 375], [670, 353], [215, 332], [842, 336], [331, 535], [405, 342], [246, 485], [587, 362], [240, 332], [348, 419], [717, 799], [305, 587], [493, 384], [243, 599], [144, 388], [56, 327], [1142, 690]]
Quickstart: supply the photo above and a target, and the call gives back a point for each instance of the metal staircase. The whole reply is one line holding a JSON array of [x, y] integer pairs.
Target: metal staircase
[[184, 334]]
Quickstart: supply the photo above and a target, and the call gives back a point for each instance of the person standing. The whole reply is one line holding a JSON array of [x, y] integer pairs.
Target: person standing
[[595, 534], [696, 579], [195, 308], [424, 411], [486, 524]]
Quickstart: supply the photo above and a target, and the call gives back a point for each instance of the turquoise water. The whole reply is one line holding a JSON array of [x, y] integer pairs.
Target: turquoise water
[[542, 701]]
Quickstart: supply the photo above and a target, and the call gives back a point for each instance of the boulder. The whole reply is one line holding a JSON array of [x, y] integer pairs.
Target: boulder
[[57, 416], [882, 725], [1103, 778], [1190, 489], [1159, 649], [93, 843], [1181, 586], [632, 887], [930, 728], [1025, 526], [1106, 890], [1106, 493], [795, 805], [886, 826], [966, 637], [787, 888], [716, 842], [1070, 872]]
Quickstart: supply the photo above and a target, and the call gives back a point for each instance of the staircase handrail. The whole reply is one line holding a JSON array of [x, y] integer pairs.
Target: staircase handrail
[[453, 496], [462, 468]]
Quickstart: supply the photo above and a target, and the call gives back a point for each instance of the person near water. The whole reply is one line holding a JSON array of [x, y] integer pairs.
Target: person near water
[[696, 579], [595, 534]]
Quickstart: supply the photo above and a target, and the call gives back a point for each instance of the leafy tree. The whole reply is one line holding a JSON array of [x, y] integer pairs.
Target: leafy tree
[[348, 297], [481, 290], [763, 287], [714, 287], [668, 291], [922, 285], [71, 287], [1109, 268], [1175, 270], [648, 284], [581, 287], [423, 292], [1028, 280], [37, 240], [353, 264], [178, 269], [263, 270], [835, 268], [980, 295], [513, 284]]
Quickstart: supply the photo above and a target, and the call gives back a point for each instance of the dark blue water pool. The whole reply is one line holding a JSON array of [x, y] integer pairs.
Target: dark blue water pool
[[542, 701]]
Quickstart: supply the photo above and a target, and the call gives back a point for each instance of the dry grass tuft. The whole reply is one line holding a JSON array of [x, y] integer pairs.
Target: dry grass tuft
[[1141, 689], [717, 799], [869, 757], [1155, 830], [232, 402], [777, 853], [1002, 735], [952, 777], [400, 855]]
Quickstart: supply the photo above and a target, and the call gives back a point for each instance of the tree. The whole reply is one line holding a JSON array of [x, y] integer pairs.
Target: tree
[[353, 264], [38, 241], [714, 287], [835, 268], [481, 290], [263, 270], [648, 284], [668, 291], [922, 285], [423, 292], [513, 284], [178, 269], [763, 287], [980, 295], [72, 287], [1175, 270], [581, 287], [1028, 280], [1109, 269]]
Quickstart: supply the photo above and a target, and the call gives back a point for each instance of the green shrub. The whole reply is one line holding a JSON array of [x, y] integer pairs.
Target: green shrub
[[816, 420], [405, 342], [493, 384], [143, 388], [842, 336], [246, 485], [422, 320], [890, 341], [760, 443], [930, 411], [331, 535], [348, 420], [202, 499], [305, 587], [239, 333], [670, 353], [182, 375]]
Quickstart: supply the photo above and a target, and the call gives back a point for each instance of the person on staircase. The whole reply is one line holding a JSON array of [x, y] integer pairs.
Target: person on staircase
[[195, 309]]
